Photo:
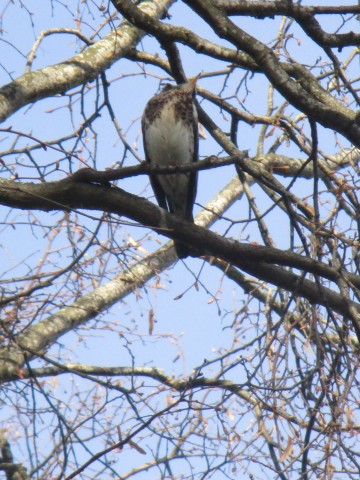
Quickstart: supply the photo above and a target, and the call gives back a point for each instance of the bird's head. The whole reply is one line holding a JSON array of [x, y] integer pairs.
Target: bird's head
[[187, 87], [190, 85]]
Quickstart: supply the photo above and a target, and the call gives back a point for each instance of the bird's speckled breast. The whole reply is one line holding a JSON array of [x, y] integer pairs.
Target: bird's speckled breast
[[179, 104], [169, 129]]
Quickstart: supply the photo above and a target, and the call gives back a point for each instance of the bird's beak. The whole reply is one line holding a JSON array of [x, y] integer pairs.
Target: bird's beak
[[193, 80]]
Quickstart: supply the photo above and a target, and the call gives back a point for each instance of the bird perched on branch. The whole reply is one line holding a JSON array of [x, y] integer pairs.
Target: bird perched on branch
[[170, 134]]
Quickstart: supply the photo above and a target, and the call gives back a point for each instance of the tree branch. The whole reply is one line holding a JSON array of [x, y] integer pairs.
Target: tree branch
[[254, 259], [303, 14], [80, 69], [347, 123], [43, 334]]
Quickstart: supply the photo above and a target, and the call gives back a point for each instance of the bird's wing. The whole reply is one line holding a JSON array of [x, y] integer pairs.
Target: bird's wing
[[193, 176], [156, 186]]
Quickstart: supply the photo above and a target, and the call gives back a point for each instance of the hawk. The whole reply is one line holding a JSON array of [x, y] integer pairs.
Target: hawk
[[170, 135]]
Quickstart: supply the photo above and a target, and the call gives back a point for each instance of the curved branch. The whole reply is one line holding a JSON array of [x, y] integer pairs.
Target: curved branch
[[346, 123], [82, 68], [254, 259], [183, 385], [70, 195], [43, 334], [340, 119], [303, 14]]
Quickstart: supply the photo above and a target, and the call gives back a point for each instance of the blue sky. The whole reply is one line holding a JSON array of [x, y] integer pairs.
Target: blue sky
[[187, 330]]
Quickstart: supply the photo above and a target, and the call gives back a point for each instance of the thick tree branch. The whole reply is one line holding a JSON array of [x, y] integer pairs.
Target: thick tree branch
[[303, 14], [340, 119], [267, 296], [80, 69], [70, 195], [43, 334], [346, 123], [284, 375], [254, 259]]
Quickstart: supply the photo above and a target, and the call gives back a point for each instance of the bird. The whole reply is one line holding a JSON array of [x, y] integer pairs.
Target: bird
[[170, 137]]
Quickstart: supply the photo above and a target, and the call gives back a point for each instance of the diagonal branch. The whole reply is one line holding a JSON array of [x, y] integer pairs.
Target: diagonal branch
[[345, 123], [255, 259], [43, 334], [303, 14], [70, 195], [80, 69]]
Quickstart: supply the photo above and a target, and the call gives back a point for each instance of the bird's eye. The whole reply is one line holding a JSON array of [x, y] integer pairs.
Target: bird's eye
[[167, 87]]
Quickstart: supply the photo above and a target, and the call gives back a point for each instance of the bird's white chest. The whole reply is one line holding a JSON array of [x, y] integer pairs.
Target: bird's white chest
[[169, 141]]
